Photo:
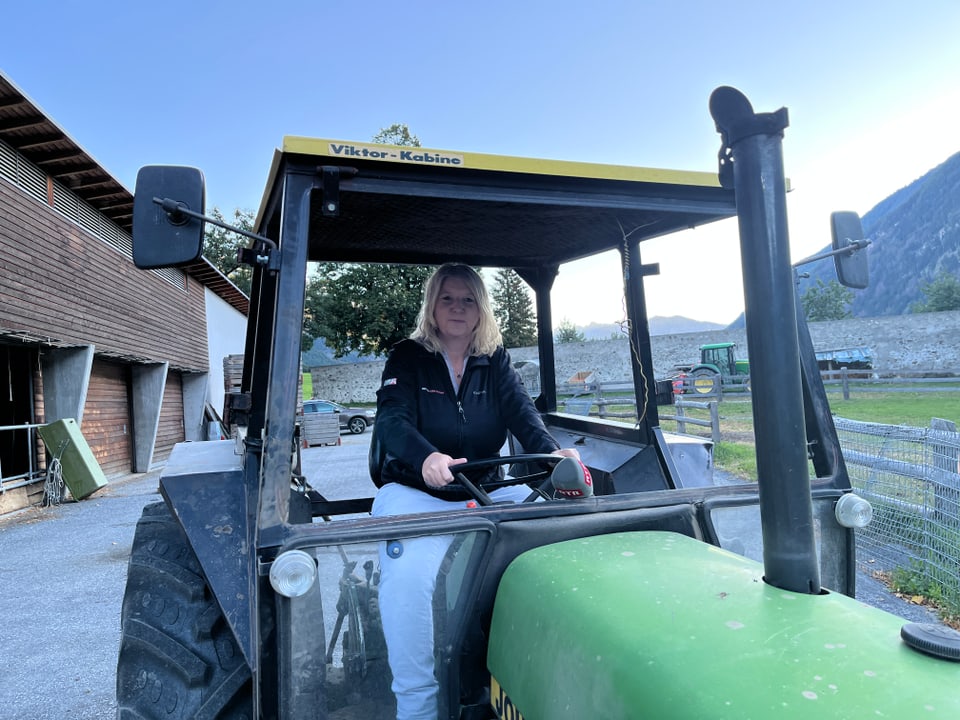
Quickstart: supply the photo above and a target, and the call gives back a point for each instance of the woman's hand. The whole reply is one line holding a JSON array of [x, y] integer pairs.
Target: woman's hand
[[567, 452], [436, 469]]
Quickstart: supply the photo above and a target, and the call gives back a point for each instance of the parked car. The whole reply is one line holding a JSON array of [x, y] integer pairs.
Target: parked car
[[356, 420]]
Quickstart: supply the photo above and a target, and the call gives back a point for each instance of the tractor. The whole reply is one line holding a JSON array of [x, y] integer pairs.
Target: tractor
[[252, 589], [718, 367]]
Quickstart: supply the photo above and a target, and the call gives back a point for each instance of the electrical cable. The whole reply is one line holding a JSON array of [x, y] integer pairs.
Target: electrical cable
[[626, 324]]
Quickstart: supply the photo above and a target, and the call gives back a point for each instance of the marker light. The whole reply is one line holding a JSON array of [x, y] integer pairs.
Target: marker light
[[292, 573], [853, 511]]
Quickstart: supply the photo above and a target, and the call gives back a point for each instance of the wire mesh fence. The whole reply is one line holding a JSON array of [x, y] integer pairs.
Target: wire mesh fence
[[911, 476]]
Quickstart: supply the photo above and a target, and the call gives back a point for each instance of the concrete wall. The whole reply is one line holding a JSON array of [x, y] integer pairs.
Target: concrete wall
[[928, 341]]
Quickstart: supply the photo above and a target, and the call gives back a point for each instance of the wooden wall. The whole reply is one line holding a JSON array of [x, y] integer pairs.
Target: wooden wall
[[58, 281]]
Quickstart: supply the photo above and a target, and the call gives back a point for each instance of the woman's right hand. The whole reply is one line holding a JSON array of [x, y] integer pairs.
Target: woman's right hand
[[436, 469]]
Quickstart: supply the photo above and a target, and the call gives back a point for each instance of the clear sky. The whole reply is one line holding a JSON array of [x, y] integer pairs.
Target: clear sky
[[871, 88]]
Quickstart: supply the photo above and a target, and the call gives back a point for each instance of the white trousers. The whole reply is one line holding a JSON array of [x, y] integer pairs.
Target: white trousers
[[408, 577]]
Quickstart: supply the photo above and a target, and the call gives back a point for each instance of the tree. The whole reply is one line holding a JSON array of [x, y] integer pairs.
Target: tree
[[397, 134], [220, 247], [364, 308], [513, 310], [943, 293], [830, 301], [567, 332]]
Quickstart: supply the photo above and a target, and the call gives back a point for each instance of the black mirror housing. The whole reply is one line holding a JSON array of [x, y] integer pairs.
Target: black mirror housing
[[846, 231], [165, 237]]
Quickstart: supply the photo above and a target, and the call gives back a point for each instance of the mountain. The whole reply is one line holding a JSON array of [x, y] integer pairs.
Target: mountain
[[677, 324], [914, 233], [658, 326]]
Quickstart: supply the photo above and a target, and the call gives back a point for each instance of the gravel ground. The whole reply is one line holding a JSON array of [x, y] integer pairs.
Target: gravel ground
[[64, 570]]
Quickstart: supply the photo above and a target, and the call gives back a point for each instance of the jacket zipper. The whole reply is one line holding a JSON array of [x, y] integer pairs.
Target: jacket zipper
[[462, 419]]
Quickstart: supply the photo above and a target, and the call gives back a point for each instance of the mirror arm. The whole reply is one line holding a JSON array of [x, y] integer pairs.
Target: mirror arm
[[264, 252], [852, 247]]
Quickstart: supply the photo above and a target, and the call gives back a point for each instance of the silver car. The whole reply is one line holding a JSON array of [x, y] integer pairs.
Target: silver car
[[356, 420]]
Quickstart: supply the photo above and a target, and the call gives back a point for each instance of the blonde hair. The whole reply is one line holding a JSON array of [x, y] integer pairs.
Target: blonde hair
[[486, 338]]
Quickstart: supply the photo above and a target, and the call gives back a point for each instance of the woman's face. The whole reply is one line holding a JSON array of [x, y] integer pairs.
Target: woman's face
[[456, 313]]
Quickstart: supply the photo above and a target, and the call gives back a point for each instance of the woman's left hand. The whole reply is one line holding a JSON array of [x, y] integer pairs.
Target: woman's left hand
[[567, 452]]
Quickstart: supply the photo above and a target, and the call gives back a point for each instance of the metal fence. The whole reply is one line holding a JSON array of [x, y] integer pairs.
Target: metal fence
[[32, 469], [911, 476]]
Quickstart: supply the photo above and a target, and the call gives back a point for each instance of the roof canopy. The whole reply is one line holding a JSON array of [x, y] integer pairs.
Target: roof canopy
[[416, 205]]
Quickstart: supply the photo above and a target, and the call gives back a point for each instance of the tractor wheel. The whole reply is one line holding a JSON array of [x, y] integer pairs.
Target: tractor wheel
[[178, 658], [705, 382]]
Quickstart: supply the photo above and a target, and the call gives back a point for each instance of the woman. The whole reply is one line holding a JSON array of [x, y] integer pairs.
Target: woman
[[448, 395]]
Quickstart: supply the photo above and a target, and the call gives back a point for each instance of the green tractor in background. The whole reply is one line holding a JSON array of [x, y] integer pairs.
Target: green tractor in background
[[718, 368]]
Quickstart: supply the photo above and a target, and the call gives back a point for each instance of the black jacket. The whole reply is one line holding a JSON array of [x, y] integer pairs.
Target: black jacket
[[419, 413]]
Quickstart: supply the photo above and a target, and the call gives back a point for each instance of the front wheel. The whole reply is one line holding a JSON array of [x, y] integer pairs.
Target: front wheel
[[178, 658], [357, 425]]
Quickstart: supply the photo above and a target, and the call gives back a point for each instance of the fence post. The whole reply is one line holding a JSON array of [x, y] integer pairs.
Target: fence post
[[946, 476], [845, 383], [681, 424], [714, 422], [30, 451]]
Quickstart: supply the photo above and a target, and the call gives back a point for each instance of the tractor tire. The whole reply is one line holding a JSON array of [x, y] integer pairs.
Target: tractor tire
[[705, 382], [178, 658]]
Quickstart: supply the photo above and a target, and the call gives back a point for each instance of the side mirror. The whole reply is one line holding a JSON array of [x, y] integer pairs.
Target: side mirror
[[847, 233], [163, 236]]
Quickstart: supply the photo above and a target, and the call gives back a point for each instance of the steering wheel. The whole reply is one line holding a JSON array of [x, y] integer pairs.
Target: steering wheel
[[537, 479]]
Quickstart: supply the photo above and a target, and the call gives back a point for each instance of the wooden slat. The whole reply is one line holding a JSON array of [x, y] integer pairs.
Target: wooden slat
[[232, 373]]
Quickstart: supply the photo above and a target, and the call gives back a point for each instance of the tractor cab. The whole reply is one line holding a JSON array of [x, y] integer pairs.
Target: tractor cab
[[720, 356], [253, 589]]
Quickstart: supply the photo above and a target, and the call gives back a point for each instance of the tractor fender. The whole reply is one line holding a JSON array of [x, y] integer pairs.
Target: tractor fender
[[203, 486]]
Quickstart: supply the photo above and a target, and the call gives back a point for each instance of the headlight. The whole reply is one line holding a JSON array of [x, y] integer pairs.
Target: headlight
[[853, 511], [292, 574]]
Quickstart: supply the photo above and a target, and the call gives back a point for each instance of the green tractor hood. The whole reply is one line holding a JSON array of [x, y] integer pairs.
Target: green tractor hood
[[659, 625]]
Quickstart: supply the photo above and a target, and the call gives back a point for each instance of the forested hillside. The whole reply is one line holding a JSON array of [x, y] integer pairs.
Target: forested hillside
[[915, 234]]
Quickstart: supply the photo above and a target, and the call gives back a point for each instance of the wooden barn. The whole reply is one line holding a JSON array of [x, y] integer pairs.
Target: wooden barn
[[134, 357]]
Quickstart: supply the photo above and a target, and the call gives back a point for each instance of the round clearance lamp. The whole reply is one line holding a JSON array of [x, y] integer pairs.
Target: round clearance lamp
[[853, 511], [292, 574]]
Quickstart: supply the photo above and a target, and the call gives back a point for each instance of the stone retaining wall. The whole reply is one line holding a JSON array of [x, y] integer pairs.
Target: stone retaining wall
[[927, 341]]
